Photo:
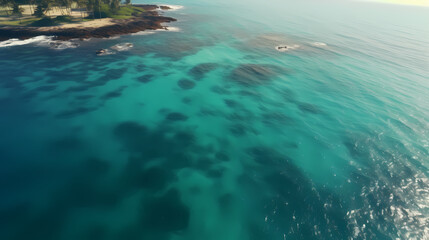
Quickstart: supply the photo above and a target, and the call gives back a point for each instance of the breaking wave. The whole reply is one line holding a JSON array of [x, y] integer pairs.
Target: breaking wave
[[122, 47], [18, 42], [319, 44], [44, 41], [148, 32]]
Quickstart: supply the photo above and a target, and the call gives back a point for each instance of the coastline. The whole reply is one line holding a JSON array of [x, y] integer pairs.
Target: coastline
[[99, 28]]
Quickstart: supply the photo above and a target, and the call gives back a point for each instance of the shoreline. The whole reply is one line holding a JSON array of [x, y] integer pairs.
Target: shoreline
[[98, 28]]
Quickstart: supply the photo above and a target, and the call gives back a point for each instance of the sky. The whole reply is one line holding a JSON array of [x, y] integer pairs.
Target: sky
[[407, 2]]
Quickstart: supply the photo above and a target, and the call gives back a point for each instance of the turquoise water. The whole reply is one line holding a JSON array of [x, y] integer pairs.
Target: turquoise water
[[209, 132]]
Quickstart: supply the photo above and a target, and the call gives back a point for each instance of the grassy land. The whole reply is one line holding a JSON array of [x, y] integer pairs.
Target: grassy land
[[17, 22], [125, 12], [129, 11]]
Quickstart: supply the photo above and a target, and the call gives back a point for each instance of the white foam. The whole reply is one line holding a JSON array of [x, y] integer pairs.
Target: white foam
[[60, 45], [173, 29], [114, 37], [143, 33], [319, 44], [172, 7], [42, 41], [285, 48], [122, 47], [17, 42], [166, 29]]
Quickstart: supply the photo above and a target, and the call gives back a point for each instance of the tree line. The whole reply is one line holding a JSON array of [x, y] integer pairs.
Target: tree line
[[39, 8]]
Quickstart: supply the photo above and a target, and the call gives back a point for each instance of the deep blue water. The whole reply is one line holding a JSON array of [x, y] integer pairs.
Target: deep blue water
[[208, 132]]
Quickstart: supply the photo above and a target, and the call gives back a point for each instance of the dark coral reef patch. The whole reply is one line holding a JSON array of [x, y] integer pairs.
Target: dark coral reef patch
[[255, 74]]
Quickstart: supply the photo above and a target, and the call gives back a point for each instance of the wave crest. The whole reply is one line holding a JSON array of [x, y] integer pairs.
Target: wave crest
[[122, 47], [43, 41]]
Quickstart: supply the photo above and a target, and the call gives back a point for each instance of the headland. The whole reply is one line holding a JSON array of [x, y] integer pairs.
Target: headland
[[139, 18]]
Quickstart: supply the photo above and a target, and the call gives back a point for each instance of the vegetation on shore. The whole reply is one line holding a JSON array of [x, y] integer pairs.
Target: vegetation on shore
[[55, 12]]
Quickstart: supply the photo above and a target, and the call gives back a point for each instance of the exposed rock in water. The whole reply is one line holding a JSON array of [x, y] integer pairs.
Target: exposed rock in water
[[285, 48], [281, 47], [164, 7], [102, 52]]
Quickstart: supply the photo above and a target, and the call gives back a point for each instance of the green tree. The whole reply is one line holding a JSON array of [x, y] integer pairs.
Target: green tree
[[92, 6], [3, 6], [61, 4], [16, 10], [42, 6], [82, 4], [115, 5]]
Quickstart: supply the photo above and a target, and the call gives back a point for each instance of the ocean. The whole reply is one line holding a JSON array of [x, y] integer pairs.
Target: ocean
[[247, 120]]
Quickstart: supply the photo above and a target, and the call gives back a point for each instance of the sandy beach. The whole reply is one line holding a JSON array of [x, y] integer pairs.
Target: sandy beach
[[83, 25]]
